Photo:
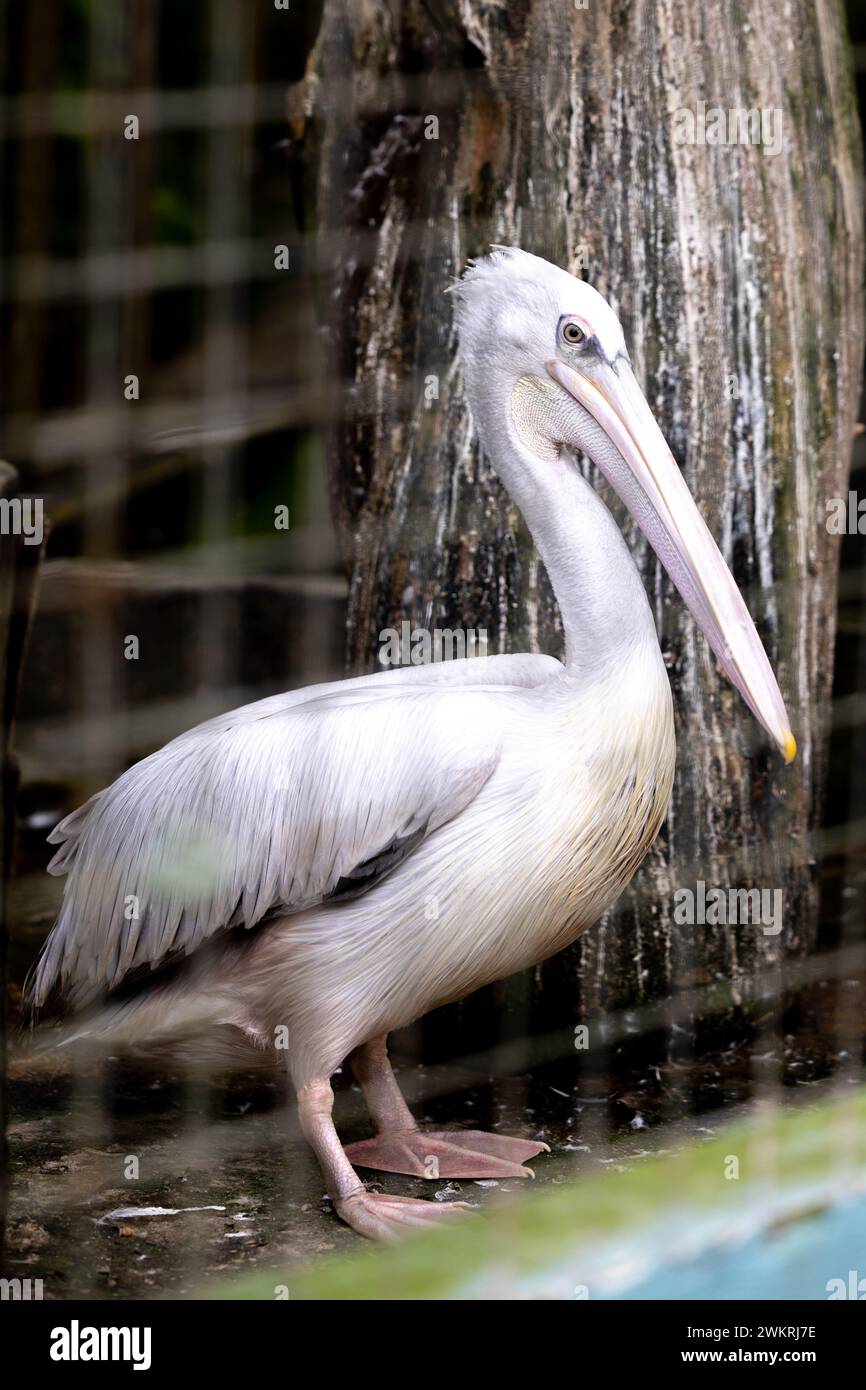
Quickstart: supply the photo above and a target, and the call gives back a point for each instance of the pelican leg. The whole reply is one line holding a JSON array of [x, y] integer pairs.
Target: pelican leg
[[375, 1075], [375, 1214], [400, 1146]]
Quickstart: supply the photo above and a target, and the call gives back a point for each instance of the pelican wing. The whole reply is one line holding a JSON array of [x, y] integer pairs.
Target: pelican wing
[[274, 807]]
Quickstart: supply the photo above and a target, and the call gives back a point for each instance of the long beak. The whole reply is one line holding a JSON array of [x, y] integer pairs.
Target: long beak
[[643, 472]]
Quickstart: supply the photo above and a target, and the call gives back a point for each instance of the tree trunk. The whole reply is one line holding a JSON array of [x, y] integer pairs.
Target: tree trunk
[[736, 271]]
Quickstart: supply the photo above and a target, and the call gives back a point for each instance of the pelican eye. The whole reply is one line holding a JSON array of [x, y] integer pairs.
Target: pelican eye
[[572, 333]]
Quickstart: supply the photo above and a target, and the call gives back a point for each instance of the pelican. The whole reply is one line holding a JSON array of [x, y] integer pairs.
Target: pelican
[[322, 867]]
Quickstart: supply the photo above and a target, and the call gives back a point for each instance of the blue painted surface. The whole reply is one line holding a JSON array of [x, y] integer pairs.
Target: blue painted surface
[[794, 1262]]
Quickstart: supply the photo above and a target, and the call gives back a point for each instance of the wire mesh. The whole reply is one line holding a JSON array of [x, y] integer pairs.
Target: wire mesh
[[154, 258]]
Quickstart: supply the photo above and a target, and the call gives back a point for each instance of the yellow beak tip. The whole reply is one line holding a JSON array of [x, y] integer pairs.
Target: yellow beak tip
[[790, 748]]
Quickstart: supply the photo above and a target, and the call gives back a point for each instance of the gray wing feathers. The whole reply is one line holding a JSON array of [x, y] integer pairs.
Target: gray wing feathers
[[244, 816]]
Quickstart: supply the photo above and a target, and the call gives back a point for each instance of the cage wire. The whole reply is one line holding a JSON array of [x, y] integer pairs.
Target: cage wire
[[154, 258]]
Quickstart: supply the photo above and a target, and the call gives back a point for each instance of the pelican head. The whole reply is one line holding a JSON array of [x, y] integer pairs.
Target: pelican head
[[546, 367]]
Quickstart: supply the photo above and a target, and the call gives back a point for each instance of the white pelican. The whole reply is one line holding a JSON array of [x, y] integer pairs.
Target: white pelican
[[401, 839]]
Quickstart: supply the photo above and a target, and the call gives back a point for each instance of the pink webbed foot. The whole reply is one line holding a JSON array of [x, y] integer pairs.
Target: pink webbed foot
[[381, 1216], [459, 1153]]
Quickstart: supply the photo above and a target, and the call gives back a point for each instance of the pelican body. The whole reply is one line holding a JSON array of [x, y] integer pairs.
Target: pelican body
[[325, 866]]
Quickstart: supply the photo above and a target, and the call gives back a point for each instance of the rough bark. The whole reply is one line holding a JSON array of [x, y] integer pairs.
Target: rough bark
[[737, 275]]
